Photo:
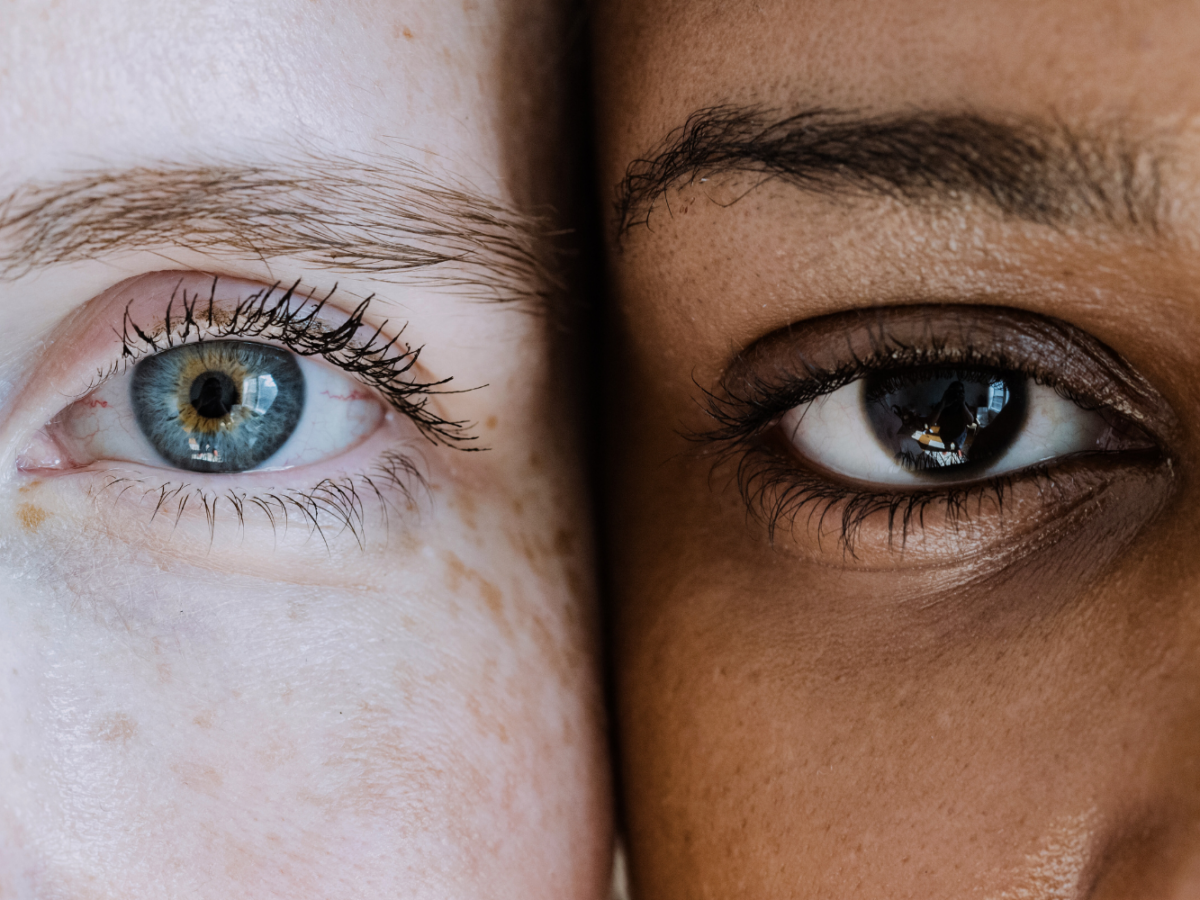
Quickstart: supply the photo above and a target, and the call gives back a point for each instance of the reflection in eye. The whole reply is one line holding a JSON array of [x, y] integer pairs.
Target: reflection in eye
[[218, 406], [942, 420], [914, 425]]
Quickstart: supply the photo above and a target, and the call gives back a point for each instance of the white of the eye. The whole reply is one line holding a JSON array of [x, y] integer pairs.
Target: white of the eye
[[834, 432], [338, 413]]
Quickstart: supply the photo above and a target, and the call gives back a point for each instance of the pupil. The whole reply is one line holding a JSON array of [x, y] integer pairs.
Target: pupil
[[939, 420], [214, 395]]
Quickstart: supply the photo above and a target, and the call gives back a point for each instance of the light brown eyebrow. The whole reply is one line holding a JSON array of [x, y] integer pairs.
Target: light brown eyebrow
[[383, 217]]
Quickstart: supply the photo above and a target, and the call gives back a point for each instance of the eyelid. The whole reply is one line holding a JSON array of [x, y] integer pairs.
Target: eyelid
[[152, 312], [795, 365], [810, 359]]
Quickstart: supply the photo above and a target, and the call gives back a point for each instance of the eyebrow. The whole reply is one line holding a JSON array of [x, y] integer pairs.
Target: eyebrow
[[1047, 173], [383, 217]]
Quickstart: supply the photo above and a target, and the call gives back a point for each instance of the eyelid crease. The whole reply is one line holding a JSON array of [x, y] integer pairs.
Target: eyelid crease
[[295, 322]]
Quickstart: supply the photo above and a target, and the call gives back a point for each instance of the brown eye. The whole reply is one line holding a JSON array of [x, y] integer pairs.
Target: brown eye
[[911, 426], [937, 420]]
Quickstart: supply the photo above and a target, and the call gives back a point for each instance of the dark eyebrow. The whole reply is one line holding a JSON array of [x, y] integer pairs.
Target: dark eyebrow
[[383, 217], [1040, 172]]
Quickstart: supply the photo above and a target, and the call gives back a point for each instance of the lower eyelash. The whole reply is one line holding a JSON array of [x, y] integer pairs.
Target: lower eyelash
[[781, 490], [339, 503], [778, 489]]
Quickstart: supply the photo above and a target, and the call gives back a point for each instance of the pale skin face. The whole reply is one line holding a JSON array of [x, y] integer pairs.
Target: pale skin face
[[997, 696], [367, 668]]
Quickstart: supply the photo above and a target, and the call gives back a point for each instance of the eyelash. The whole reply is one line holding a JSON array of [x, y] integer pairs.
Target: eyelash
[[779, 488], [380, 364], [336, 500], [270, 313]]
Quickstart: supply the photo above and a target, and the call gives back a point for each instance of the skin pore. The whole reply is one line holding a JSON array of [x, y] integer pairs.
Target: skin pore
[[831, 687], [368, 674]]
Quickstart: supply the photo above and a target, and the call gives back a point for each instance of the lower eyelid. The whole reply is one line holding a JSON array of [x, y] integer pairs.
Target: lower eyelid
[[377, 488], [807, 514]]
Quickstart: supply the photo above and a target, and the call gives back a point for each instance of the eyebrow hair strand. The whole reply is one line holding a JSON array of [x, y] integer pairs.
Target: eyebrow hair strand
[[1044, 173], [380, 216]]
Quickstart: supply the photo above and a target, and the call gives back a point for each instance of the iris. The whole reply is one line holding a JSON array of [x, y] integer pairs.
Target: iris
[[218, 406], [933, 420]]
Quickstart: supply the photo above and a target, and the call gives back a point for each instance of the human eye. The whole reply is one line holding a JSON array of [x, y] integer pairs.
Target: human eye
[[212, 393], [894, 423]]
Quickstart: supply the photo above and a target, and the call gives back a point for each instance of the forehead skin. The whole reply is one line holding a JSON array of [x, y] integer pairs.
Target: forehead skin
[[781, 734], [662, 60]]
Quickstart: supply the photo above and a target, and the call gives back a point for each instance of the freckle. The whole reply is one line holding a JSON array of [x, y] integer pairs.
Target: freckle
[[491, 596], [202, 779], [116, 729], [535, 462], [491, 422], [408, 33], [26, 488], [31, 517], [457, 570], [205, 719], [518, 507], [164, 673]]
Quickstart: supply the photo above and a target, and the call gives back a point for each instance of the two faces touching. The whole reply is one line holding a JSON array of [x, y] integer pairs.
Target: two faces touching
[[299, 592]]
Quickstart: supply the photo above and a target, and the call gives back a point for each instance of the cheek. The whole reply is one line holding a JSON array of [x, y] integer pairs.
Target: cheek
[[180, 722]]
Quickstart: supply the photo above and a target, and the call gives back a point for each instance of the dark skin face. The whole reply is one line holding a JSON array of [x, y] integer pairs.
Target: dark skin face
[[979, 686]]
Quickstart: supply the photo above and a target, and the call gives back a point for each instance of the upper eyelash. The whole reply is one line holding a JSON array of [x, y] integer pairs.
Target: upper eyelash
[[752, 409], [745, 417], [379, 362]]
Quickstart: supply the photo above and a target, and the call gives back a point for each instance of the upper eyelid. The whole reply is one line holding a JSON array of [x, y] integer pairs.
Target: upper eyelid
[[811, 354], [379, 358]]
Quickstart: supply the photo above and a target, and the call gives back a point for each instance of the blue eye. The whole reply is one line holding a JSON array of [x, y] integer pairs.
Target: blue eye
[[218, 406]]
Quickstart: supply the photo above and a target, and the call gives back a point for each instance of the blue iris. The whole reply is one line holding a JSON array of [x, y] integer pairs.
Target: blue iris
[[218, 406]]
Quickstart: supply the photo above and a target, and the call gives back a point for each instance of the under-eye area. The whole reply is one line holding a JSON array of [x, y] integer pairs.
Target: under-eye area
[[210, 397], [908, 422]]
